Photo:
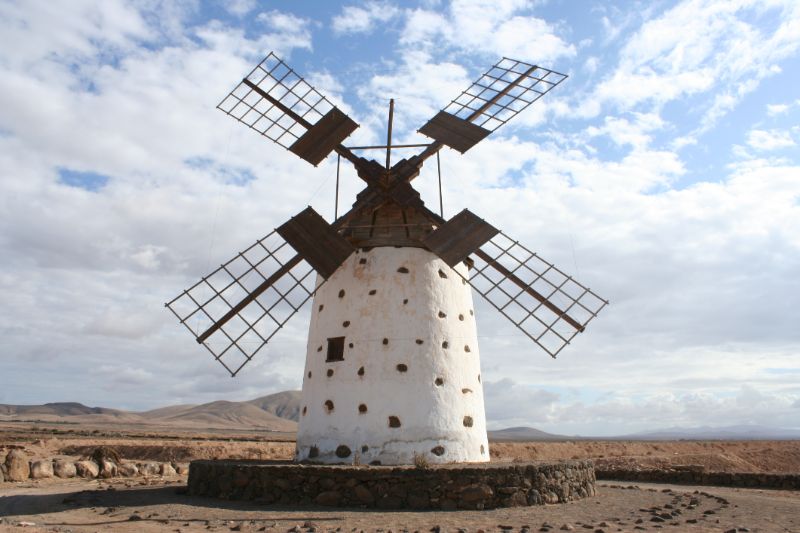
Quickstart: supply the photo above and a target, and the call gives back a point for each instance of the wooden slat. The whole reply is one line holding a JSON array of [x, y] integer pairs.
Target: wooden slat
[[324, 136], [455, 132], [316, 241], [460, 236]]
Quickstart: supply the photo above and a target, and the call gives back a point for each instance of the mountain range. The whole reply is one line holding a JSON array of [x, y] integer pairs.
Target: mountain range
[[280, 412], [275, 412]]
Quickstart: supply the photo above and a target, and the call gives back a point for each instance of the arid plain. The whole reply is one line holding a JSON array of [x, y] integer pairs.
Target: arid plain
[[162, 443]]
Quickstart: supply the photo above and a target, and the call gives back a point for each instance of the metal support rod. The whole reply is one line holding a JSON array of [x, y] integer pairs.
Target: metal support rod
[[439, 170], [336, 202], [389, 135], [384, 146]]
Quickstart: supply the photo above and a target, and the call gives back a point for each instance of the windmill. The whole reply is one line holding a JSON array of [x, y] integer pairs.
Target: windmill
[[392, 368]]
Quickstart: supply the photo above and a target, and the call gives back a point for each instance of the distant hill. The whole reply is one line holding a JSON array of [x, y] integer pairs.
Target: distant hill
[[57, 409], [275, 412], [224, 414], [524, 434], [746, 432], [284, 404], [280, 412]]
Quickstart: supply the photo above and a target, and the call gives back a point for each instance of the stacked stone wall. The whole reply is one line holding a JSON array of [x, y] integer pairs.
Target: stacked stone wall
[[699, 477], [446, 487]]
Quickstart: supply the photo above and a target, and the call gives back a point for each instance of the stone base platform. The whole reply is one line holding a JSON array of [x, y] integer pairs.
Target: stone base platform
[[445, 487]]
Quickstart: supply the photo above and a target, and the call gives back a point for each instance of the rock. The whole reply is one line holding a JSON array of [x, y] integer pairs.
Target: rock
[[390, 501], [167, 470], [127, 470], [476, 493], [328, 497], [363, 495], [419, 500], [64, 469], [42, 469], [149, 469], [517, 499], [107, 469], [183, 470], [87, 469], [17, 466], [567, 527]]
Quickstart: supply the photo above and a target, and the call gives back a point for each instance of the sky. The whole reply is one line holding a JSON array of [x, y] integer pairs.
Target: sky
[[664, 173]]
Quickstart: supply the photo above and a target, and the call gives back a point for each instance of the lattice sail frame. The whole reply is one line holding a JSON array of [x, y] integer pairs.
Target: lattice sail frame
[[236, 342], [544, 327], [532, 87], [280, 81]]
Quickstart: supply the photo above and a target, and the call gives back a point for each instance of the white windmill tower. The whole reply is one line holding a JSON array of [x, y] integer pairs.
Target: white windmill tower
[[392, 365]]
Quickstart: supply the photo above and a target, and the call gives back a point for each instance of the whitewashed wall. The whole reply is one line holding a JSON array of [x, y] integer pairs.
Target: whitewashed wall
[[422, 319]]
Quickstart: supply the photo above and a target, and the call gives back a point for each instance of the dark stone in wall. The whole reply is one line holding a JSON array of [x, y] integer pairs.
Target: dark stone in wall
[[451, 486]]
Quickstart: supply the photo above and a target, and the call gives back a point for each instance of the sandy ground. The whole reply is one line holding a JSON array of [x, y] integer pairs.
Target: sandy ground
[[712, 456], [158, 504], [159, 507], [181, 447]]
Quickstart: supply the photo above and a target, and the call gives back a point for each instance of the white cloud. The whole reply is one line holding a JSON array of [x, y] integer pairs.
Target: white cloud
[[488, 28], [698, 46], [698, 273], [568, 413], [777, 109], [239, 8], [769, 139], [357, 19], [624, 132]]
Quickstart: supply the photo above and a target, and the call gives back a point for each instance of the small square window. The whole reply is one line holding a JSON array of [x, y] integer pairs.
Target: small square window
[[335, 349]]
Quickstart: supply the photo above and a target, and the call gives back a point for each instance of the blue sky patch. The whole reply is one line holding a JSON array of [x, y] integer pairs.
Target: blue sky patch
[[87, 180]]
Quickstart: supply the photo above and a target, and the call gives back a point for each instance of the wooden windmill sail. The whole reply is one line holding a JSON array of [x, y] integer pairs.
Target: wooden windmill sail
[[238, 308]]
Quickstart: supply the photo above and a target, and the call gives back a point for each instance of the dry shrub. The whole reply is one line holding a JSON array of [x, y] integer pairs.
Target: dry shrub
[[106, 453], [421, 462]]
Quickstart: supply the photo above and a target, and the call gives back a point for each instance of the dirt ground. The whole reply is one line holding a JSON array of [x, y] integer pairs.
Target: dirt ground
[[160, 507], [160, 504]]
